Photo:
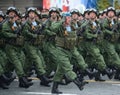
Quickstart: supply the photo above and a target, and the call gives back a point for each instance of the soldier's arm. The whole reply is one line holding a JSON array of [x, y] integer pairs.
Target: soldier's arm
[[48, 30], [6, 31], [49, 33], [27, 33], [107, 31], [88, 33], [105, 27]]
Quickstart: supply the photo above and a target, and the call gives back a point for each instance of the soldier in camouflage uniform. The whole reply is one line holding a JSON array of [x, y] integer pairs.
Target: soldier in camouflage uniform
[[3, 57], [111, 35], [95, 57], [78, 59], [33, 36], [117, 44], [14, 43], [48, 61], [56, 53], [80, 31]]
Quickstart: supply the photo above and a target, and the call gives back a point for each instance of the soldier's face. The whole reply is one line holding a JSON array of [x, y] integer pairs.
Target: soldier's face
[[23, 19], [111, 14], [104, 15], [92, 15], [1, 19], [16, 17], [53, 14], [119, 17], [87, 16], [80, 17], [11, 14], [31, 15], [100, 16], [68, 20], [74, 16], [36, 17]]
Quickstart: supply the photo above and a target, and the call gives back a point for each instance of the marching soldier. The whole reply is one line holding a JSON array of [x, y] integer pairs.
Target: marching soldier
[[90, 35], [3, 57], [78, 59], [58, 52], [32, 32], [111, 35], [7, 76], [14, 43]]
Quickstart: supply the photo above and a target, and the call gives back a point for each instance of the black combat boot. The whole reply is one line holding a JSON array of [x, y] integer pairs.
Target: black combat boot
[[79, 84], [44, 80], [109, 73], [29, 74], [98, 77], [8, 79], [90, 74], [55, 88], [29, 80], [3, 84], [117, 75], [23, 82], [67, 81], [8, 74], [50, 76]]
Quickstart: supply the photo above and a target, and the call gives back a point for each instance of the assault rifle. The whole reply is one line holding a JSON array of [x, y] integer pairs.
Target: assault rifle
[[97, 32]]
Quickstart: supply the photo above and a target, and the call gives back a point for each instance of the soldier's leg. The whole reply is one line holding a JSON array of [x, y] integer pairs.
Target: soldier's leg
[[14, 59], [44, 66], [42, 59], [21, 57], [50, 58], [8, 68], [79, 58], [3, 58], [98, 59], [1, 70], [50, 67], [64, 67], [80, 65], [32, 53], [2, 80], [117, 47], [114, 59], [81, 49], [28, 65]]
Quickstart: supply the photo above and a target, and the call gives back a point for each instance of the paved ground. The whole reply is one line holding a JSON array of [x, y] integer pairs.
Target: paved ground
[[110, 87]]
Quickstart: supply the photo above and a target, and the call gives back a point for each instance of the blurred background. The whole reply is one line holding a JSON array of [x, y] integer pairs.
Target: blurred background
[[65, 5]]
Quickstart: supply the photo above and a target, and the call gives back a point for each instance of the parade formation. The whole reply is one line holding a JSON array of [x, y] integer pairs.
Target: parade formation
[[60, 47]]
